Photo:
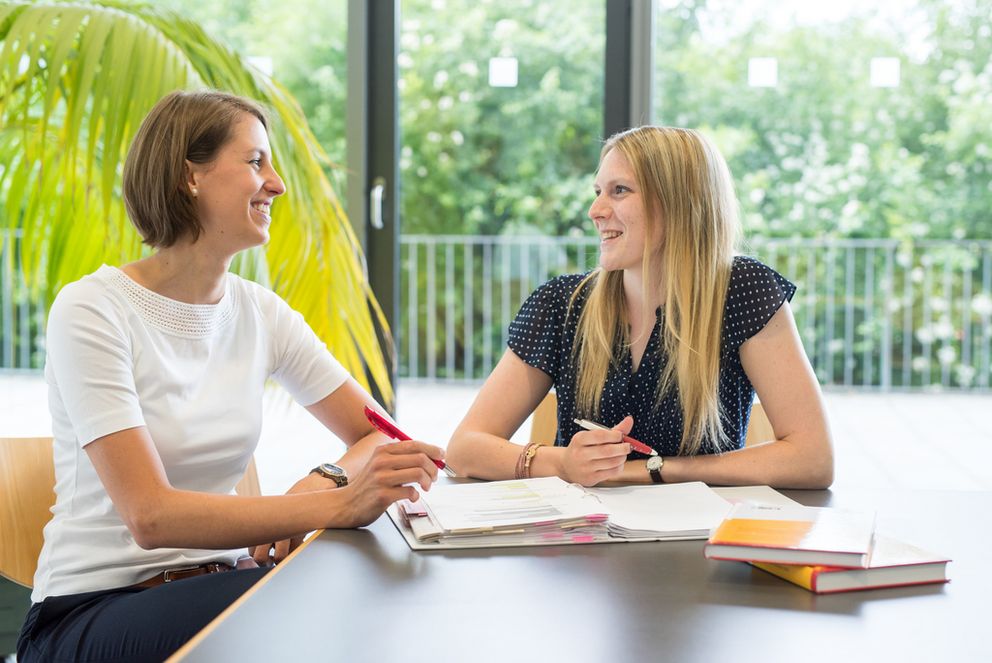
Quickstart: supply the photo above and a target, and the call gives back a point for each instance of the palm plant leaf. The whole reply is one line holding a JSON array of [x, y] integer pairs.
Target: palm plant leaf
[[75, 82]]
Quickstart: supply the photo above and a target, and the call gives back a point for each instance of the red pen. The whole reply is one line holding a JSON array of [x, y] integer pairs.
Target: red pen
[[636, 445], [387, 427]]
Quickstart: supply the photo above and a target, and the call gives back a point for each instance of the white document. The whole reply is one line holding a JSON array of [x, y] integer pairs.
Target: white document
[[673, 510], [754, 495], [550, 511], [504, 504]]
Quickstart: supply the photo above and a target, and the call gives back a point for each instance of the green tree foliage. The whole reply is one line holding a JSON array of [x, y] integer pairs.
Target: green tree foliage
[[825, 154], [492, 160], [306, 41], [475, 159]]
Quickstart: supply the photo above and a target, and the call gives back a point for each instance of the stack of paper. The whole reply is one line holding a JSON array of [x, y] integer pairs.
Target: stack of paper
[[671, 511], [507, 511], [548, 511]]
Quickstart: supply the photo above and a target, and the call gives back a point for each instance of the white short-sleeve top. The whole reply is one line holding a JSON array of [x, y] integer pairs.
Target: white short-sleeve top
[[121, 356]]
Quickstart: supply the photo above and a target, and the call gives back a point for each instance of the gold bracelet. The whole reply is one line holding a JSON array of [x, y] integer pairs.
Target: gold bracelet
[[529, 454], [522, 470]]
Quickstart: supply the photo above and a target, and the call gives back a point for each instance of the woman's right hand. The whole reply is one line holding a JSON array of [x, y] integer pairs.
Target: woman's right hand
[[388, 477], [595, 456]]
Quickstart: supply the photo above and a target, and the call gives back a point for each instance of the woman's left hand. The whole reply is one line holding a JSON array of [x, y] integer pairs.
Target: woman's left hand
[[273, 553]]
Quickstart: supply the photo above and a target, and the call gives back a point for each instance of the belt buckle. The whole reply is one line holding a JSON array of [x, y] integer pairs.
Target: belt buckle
[[167, 575]]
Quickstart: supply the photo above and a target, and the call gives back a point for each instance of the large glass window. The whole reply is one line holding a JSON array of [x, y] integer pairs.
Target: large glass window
[[501, 112], [860, 131], [842, 119], [501, 119]]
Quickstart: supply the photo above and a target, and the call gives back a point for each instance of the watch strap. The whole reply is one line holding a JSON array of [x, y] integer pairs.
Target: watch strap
[[655, 472]]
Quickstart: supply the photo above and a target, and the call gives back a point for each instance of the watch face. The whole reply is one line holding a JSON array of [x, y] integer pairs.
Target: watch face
[[332, 470], [654, 462]]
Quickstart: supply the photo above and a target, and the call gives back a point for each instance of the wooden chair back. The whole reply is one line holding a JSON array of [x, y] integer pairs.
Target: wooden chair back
[[759, 429], [27, 481], [248, 486], [544, 421], [27, 493], [544, 424]]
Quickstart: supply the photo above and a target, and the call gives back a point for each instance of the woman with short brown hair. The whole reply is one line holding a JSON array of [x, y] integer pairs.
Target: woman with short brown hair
[[156, 372]]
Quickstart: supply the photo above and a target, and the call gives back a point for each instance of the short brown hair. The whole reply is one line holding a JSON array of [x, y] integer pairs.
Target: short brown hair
[[182, 126]]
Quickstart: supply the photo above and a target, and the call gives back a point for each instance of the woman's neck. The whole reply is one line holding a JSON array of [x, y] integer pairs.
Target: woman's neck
[[641, 301], [182, 273]]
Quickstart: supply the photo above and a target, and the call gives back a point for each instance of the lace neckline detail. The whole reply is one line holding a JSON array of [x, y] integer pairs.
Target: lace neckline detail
[[171, 316]]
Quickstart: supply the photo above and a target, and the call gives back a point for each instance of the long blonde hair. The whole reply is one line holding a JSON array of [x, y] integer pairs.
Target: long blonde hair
[[693, 230]]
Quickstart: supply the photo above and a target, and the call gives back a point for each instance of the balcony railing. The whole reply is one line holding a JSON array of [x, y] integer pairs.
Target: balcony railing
[[22, 311], [873, 314]]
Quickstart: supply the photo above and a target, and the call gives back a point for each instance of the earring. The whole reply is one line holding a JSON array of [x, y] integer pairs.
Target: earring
[[194, 191]]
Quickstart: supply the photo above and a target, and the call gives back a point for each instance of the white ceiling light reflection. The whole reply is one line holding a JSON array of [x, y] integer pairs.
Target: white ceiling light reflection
[[885, 72], [762, 72], [503, 72]]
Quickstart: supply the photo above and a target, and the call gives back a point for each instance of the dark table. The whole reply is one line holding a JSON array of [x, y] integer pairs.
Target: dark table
[[363, 595]]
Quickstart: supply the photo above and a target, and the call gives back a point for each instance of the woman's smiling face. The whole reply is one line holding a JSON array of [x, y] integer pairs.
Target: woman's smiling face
[[235, 191], [619, 214]]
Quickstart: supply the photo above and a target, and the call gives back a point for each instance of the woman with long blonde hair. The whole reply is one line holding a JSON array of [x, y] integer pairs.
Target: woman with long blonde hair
[[667, 340]]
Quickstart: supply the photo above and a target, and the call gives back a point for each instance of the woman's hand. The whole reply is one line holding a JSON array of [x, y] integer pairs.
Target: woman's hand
[[387, 477], [273, 553], [597, 455]]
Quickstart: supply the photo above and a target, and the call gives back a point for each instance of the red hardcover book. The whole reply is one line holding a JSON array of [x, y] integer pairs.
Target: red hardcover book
[[893, 564]]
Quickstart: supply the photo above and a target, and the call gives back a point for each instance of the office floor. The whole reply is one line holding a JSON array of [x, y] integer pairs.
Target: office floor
[[947, 437]]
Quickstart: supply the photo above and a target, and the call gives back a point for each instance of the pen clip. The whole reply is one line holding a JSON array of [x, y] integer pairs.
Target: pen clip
[[590, 425]]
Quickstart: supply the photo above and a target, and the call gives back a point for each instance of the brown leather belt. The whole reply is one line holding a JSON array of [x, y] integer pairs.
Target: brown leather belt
[[181, 573]]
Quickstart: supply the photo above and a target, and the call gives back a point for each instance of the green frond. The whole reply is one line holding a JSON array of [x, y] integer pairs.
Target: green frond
[[75, 82]]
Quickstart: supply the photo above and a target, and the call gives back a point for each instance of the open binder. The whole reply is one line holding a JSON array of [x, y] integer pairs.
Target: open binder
[[550, 511]]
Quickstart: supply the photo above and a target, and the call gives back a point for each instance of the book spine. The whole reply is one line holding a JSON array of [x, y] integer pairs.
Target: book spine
[[804, 576]]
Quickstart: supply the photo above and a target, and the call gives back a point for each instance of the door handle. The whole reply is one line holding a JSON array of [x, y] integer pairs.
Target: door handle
[[375, 202]]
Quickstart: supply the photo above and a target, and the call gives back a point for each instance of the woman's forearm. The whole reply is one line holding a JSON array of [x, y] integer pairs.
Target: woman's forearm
[[187, 519], [779, 464], [482, 455]]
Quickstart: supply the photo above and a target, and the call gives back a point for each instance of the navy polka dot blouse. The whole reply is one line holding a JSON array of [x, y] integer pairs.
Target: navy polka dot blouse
[[543, 334]]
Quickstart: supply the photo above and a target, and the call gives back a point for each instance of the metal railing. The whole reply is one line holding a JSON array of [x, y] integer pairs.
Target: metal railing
[[873, 314], [23, 311]]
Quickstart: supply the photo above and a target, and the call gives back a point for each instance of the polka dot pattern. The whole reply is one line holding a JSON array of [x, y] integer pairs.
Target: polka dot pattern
[[543, 334]]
